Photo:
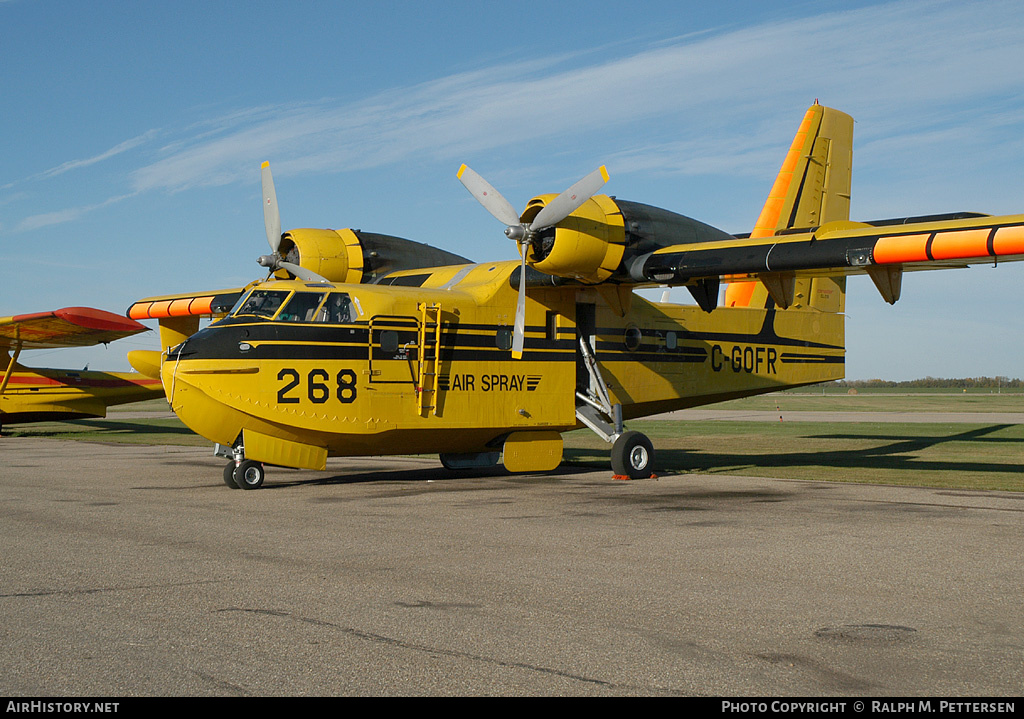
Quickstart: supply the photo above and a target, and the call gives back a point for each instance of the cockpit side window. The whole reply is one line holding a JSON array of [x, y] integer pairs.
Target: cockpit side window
[[301, 307], [262, 303], [337, 309]]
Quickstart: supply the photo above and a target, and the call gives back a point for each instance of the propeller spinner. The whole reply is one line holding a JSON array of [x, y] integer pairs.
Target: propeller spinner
[[272, 220], [524, 232]]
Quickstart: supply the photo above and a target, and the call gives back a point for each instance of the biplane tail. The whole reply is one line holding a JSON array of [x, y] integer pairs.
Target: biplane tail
[[811, 189]]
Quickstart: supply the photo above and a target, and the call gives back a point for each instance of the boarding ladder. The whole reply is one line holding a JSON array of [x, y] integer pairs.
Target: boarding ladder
[[428, 357]]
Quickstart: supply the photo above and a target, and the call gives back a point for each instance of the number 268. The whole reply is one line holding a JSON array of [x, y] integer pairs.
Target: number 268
[[317, 388]]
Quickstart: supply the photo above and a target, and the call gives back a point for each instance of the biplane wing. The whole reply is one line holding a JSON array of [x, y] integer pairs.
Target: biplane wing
[[32, 395], [67, 327]]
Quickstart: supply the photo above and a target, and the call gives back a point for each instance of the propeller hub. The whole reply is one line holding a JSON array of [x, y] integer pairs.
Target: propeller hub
[[516, 232]]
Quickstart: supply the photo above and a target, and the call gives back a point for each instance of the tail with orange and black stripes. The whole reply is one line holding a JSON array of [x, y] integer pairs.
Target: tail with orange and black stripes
[[811, 189]]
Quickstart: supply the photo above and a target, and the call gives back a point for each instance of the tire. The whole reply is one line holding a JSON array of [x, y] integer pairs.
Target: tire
[[250, 474], [632, 455], [229, 475], [474, 460]]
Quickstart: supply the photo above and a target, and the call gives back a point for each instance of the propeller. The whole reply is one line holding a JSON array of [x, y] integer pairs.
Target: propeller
[[524, 232], [272, 221]]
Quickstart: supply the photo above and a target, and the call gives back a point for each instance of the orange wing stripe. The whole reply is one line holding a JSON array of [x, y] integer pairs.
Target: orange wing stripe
[[960, 244], [1009, 241], [903, 248], [171, 308]]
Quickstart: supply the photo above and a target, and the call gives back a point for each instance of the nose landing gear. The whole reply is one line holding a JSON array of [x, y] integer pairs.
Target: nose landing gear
[[249, 474]]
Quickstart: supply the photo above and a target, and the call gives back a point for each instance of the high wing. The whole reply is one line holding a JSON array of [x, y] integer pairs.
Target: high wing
[[67, 327], [883, 252], [189, 304]]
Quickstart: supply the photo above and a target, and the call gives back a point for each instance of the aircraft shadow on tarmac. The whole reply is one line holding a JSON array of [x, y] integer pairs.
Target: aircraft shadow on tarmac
[[893, 452], [62, 430]]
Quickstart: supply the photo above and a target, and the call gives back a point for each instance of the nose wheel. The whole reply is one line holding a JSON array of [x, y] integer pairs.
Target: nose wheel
[[249, 474]]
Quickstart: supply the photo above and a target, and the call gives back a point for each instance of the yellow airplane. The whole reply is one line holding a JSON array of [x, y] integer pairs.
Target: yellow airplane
[[361, 344], [34, 395]]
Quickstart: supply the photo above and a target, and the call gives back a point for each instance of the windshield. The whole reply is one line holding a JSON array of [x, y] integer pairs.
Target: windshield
[[262, 303]]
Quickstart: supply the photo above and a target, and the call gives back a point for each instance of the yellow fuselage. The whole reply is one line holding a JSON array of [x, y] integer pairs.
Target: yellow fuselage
[[424, 365]]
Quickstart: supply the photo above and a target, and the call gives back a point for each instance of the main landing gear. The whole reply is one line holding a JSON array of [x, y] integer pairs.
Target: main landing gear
[[632, 453]]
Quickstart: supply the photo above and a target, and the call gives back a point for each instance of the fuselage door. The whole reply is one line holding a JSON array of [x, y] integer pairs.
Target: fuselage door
[[393, 350]]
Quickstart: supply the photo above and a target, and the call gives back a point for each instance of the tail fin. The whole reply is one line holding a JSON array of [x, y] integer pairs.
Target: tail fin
[[812, 188]]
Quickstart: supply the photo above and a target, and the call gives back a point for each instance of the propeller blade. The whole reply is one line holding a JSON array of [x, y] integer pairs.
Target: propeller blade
[[519, 329], [487, 196], [570, 200], [271, 214], [301, 272]]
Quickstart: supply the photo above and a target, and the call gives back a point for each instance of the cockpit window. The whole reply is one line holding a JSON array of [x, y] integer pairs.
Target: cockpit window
[[337, 309], [301, 307], [262, 303]]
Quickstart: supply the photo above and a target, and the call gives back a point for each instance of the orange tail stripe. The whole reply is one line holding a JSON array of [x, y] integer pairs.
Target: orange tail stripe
[[738, 294], [904, 248], [1009, 241], [768, 220], [960, 244]]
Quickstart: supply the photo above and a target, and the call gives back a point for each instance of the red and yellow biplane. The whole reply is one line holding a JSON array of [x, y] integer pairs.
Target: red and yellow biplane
[[34, 395]]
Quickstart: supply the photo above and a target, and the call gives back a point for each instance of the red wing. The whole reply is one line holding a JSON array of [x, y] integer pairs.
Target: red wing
[[67, 327]]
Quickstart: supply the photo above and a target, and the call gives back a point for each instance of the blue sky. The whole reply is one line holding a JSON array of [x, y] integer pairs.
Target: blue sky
[[132, 135]]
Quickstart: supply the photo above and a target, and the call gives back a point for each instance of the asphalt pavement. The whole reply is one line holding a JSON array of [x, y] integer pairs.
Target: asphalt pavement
[[134, 571]]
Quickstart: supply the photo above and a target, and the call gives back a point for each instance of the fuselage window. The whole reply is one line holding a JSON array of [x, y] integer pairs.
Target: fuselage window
[[503, 340], [337, 309], [301, 307], [262, 303], [633, 338]]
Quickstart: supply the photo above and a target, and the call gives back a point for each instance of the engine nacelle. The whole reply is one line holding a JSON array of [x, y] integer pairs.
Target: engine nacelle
[[610, 238], [353, 256], [336, 255], [586, 246]]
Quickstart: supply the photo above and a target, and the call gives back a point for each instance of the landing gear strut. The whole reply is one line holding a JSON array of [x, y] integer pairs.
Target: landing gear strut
[[632, 453]]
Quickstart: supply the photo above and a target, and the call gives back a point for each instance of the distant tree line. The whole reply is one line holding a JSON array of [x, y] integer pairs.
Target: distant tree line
[[935, 382]]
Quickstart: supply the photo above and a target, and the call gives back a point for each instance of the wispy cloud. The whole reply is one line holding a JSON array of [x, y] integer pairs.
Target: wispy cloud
[[890, 65], [89, 161], [896, 59], [70, 214]]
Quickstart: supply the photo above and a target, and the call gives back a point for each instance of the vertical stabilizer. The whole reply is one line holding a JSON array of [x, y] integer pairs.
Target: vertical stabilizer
[[812, 188]]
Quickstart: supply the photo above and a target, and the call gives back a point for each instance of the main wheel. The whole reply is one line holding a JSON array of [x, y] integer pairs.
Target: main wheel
[[229, 475], [632, 455], [250, 474]]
